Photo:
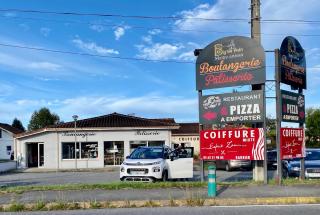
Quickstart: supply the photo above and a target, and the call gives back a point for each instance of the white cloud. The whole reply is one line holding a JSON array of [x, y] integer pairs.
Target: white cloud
[[120, 31], [93, 47], [45, 31], [155, 31], [187, 56], [86, 106], [221, 9], [44, 66], [98, 28], [147, 39], [158, 51]]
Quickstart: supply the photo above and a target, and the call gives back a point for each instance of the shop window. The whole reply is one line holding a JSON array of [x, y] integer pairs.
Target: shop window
[[155, 143], [68, 150], [113, 152], [8, 150], [136, 144], [89, 150]]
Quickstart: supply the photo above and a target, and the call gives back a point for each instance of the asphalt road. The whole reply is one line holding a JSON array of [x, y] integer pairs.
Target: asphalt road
[[96, 177], [236, 210]]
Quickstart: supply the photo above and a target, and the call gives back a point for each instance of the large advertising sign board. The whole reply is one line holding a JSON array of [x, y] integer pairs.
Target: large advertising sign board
[[230, 61], [293, 107], [232, 108], [291, 143], [292, 63], [232, 144]]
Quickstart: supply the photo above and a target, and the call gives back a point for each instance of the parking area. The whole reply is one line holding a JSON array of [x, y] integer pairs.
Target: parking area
[[96, 177]]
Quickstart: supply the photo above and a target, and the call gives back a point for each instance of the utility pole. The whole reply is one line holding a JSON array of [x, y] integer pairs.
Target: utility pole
[[260, 167]]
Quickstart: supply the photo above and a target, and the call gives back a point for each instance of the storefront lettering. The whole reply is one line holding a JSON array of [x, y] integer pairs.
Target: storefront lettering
[[147, 133], [233, 67], [78, 134], [244, 109]]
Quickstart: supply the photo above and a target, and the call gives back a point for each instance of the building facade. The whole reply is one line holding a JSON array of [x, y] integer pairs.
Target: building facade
[[90, 143], [6, 140], [187, 133]]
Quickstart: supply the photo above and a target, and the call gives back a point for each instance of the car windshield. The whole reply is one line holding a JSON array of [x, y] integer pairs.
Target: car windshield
[[313, 155], [147, 153]]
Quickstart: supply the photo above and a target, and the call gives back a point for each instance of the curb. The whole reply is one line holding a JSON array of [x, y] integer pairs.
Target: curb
[[190, 202]]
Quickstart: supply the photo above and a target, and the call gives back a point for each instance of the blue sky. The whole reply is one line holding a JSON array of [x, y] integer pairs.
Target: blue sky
[[90, 86]]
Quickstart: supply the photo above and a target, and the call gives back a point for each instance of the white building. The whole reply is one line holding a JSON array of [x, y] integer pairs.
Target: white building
[[188, 133], [6, 140], [98, 141]]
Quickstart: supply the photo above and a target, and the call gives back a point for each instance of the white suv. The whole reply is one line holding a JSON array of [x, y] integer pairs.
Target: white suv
[[157, 163]]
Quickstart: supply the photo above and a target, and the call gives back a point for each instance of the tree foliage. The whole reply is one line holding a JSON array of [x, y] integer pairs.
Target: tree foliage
[[313, 127], [17, 124], [42, 118]]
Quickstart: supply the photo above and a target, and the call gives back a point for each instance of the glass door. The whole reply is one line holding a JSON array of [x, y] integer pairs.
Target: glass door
[[41, 154]]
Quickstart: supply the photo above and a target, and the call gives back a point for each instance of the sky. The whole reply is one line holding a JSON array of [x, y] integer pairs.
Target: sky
[[144, 66]]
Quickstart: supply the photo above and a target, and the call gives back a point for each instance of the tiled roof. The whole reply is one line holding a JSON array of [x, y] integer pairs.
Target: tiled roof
[[187, 128], [114, 120], [9, 128], [117, 120]]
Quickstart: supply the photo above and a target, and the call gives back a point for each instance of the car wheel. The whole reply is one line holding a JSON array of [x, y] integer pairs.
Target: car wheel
[[228, 169], [165, 176]]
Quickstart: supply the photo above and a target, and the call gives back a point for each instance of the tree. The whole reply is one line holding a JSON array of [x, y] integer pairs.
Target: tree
[[313, 127], [18, 125], [42, 118]]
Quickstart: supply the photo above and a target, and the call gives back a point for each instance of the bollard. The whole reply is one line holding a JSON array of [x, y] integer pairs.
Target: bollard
[[212, 185]]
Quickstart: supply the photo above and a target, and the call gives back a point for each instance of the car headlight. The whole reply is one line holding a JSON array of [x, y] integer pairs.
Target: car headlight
[[124, 163], [296, 168], [122, 169], [155, 163], [156, 169]]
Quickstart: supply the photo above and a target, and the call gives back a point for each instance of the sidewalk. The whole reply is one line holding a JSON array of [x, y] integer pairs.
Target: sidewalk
[[252, 191]]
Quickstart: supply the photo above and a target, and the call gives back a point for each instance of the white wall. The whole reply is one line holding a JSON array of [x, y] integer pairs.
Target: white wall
[[53, 153], [190, 140], [5, 140]]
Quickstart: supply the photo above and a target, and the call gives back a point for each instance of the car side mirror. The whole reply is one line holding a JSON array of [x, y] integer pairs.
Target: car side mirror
[[127, 157]]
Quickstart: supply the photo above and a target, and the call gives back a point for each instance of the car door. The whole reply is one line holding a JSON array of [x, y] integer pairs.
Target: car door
[[181, 166]]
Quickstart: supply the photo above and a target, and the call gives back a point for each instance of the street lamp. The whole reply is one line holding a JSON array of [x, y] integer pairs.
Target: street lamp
[[75, 118]]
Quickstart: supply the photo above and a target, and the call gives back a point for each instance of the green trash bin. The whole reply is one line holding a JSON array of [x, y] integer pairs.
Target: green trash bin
[[212, 185]]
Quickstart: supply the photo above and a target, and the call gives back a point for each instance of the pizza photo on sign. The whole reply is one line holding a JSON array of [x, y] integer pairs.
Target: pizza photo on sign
[[232, 144]]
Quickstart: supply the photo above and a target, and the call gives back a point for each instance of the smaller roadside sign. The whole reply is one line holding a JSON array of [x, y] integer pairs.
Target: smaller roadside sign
[[293, 107], [292, 143], [232, 108], [232, 144], [293, 63]]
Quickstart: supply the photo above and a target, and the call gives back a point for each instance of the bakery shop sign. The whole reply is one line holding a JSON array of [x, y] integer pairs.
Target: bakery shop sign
[[292, 63], [232, 144], [232, 108], [293, 107], [230, 61]]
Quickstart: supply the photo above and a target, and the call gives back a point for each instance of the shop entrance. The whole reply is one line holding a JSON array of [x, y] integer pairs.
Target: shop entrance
[[35, 155], [113, 152]]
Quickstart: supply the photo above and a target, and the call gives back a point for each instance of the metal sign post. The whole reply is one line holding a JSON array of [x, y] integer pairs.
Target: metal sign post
[[278, 116]]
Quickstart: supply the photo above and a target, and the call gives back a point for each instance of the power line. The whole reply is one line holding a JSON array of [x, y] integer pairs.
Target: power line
[[151, 28], [70, 13], [108, 56], [92, 55], [122, 16]]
